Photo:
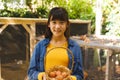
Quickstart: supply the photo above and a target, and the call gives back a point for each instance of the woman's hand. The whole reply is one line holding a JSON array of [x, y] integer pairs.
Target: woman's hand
[[84, 38], [41, 76], [73, 77]]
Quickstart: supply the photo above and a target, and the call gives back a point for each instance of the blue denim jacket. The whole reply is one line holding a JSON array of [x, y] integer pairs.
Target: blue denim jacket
[[37, 60]]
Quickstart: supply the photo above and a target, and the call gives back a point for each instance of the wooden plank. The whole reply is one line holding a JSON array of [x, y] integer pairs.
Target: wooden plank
[[100, 43], [79, 21], [27, 28], [13, 20], [5, 20], [3, 27], [101, 46]]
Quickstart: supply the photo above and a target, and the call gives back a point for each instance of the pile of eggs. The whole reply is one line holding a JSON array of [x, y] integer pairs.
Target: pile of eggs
[[58, 73]]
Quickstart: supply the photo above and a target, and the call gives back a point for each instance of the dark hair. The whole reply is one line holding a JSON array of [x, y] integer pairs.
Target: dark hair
[[57, 13]]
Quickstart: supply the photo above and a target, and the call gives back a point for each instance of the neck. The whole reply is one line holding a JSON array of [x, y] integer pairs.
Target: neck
[[58, 41]]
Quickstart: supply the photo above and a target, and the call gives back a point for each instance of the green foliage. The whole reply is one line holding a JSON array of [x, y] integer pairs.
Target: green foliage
[[28, 2], [111, 14], [80, 9], [114, 22], [10, 13], [77, 9], [5, 13], [29, 14], [21, 12], [17, 12], [55, 3], [42, 11]]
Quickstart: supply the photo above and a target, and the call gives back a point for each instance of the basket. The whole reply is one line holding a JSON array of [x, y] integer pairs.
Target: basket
[[63, 72]]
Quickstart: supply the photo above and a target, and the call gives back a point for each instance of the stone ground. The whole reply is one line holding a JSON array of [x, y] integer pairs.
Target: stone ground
[[14, 71]]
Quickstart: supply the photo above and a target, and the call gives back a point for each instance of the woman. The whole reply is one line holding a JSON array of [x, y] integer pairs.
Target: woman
[[57, 35]]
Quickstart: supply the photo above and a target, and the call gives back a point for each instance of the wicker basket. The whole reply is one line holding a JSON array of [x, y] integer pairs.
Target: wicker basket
[[56, 70], [60, 69]]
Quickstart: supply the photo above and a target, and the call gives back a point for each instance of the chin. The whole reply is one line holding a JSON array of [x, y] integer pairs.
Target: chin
[[57, 35]]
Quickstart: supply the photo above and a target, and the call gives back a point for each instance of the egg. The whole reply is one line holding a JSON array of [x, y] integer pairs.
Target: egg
[[58, 73], [59, 77], [52, 74], [64, 74]]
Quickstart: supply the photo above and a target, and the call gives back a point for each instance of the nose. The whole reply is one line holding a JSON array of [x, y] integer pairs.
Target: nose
[[57, 25]]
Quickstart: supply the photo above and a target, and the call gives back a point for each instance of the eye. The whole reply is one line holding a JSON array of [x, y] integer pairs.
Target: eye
[[62, 22], [54, 22]]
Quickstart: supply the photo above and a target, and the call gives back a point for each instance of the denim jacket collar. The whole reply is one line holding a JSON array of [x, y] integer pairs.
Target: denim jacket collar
[[70, 42]]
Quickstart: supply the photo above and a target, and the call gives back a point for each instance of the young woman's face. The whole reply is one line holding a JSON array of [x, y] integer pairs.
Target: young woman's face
[[58, 27]]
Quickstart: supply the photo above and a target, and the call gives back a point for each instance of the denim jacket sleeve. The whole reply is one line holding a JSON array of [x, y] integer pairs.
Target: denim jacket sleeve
[[78, 67], [32, 70], [37, 60]]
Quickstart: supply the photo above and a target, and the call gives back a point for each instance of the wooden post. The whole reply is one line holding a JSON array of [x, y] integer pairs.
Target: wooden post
[[32, 38], [99, 60], [108, 76], [98, 17], [27, 48], [0, 72], [29, 31], [89, 29]]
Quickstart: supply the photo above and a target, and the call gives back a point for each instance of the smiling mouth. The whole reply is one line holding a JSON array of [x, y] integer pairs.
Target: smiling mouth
[[57, 31]]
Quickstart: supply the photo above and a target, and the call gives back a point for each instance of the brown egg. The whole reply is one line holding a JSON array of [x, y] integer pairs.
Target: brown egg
[[64, 74], [59, 77], [58, 73], [52, 74]]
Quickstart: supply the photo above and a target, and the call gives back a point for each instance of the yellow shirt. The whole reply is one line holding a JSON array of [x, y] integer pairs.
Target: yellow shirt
[[56, 56]]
